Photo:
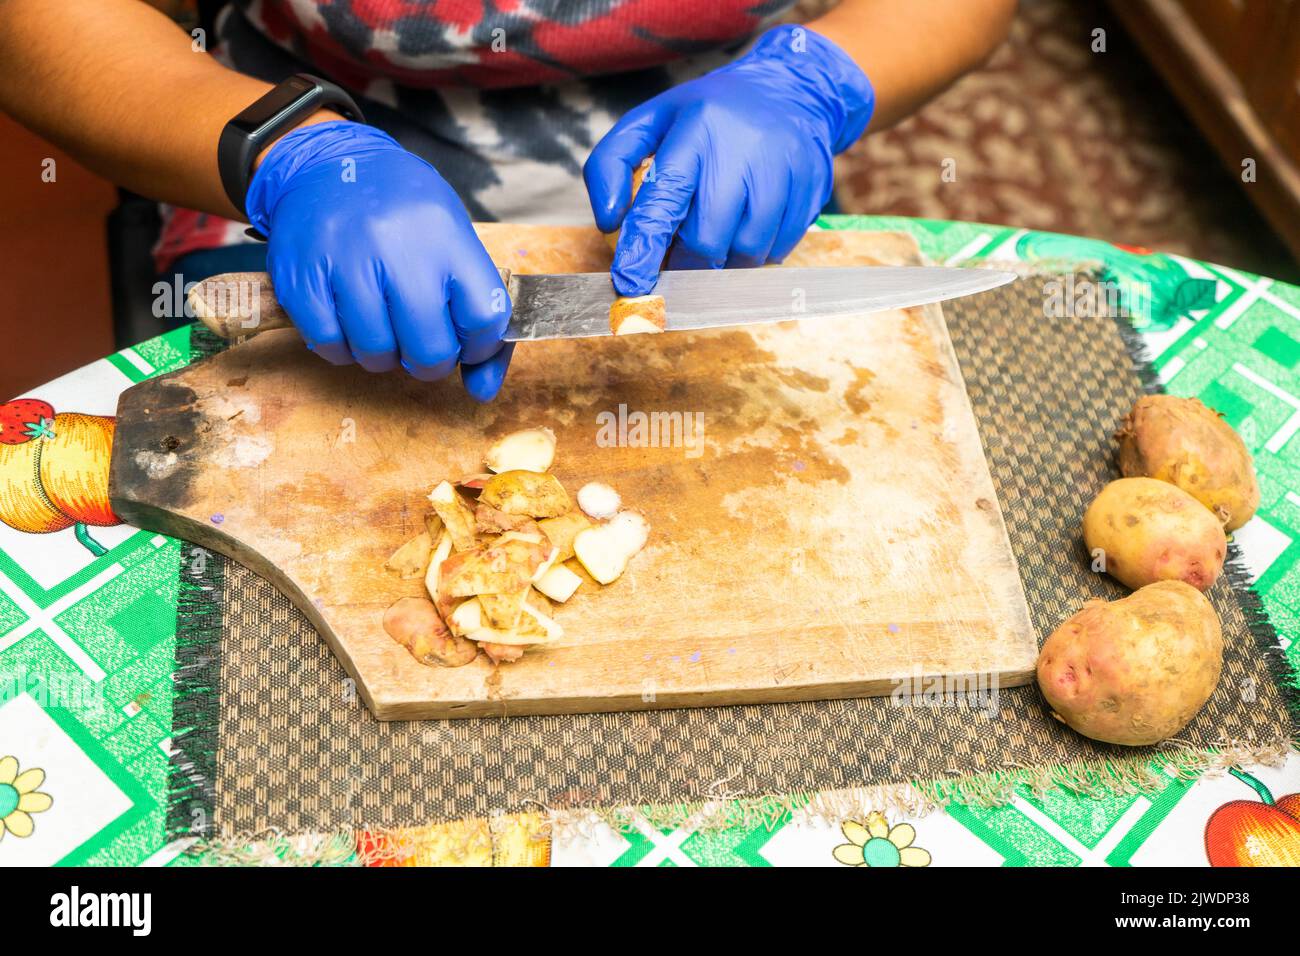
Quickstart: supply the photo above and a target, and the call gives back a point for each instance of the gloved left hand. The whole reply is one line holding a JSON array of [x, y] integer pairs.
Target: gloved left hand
[[742, 159]]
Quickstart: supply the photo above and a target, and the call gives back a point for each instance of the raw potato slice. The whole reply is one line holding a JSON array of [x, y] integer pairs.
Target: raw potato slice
[[414, 623], [412, 558], [599, 500], [605, 550], [640, 313], [532, 449], [455, 515], [632, 530], [558, 583], [562, 530], [526, 493]]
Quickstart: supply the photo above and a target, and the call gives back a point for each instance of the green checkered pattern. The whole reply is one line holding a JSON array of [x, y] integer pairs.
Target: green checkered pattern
[[87, 643]]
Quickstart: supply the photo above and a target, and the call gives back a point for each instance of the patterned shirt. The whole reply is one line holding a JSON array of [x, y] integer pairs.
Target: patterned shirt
[[504, 97]]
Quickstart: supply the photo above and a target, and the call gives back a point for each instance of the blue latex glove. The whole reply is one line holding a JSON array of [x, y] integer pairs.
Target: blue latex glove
[[742, 159], [374, 258]]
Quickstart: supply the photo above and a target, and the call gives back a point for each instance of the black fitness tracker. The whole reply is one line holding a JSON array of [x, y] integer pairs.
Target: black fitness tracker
[[265, 121]]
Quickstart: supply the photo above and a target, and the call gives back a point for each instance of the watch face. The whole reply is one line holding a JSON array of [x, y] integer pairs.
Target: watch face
[[271, 110]]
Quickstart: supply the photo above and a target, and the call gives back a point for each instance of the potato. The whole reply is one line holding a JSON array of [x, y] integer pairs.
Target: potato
[[1148, 530], [526, 493], [1134, 671], [1181, 441], [414, 623]]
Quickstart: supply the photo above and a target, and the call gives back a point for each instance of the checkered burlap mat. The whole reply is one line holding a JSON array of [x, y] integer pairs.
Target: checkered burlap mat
[[287, 749]]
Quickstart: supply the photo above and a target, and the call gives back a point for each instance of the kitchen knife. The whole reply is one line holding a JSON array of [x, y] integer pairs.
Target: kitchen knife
[[239, 304]]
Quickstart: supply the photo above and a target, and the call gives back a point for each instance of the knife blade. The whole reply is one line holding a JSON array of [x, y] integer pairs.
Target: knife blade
[[577, 305]]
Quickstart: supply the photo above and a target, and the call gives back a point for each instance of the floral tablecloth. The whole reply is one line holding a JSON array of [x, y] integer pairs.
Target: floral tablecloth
[[88, 615]]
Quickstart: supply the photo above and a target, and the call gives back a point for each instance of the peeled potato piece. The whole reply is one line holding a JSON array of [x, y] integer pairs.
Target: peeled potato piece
[[631, 529], [599, 500], [605, 550], [526, 493], [532, 449], [558, 583]]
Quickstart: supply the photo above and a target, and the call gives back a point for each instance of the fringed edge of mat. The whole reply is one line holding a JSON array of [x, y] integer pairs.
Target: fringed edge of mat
[[525, 838], [192, 766]]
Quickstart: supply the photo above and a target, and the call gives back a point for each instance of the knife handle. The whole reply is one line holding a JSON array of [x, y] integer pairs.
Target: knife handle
[[235, 305]]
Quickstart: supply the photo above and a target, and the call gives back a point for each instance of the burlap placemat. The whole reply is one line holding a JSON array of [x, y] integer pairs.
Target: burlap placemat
[[269, 734]]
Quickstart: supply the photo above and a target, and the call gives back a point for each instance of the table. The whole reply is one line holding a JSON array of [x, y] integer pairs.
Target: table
[[87, 626]]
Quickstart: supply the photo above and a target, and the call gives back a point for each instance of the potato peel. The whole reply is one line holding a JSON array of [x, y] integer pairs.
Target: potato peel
[[412, 558], [526, 493], [456, 516], [493, 552]]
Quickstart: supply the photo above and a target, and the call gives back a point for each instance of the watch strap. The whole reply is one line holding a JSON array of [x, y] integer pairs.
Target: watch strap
[[269, 118]]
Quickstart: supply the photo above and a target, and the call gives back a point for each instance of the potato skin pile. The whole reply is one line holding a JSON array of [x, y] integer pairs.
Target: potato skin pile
[[1150, 531], [1181, 441], [1134, 671]]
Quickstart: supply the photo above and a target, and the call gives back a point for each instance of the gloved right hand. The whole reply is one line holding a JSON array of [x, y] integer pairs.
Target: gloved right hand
[[373, 256]]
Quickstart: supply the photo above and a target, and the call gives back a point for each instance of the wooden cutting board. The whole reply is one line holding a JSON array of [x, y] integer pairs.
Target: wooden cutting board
[[833, 532]]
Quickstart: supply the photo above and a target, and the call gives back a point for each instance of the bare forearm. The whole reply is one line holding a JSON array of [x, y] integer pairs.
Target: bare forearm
[[119, 86], [912, 51]]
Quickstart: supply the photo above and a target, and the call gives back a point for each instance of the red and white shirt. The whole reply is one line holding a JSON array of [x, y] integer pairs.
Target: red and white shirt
[[504, 97]]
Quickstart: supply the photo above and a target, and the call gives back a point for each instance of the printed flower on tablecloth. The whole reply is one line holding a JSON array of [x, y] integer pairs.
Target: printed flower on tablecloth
[[875, 843], [19, 798]]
